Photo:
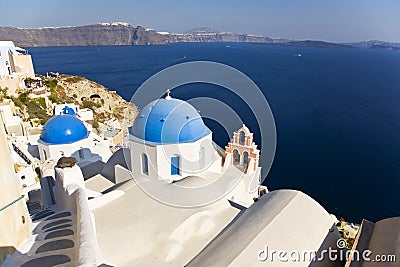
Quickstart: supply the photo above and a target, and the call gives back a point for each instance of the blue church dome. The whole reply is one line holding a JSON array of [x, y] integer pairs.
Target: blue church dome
[[63, 129], [68, 110], [169, 120]]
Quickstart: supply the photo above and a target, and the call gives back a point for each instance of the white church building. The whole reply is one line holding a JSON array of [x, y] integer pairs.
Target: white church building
[[67, 136], [169, 140]]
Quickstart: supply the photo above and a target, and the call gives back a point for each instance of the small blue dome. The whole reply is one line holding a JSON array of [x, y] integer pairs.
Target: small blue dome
[[63, 129], [169, 120], [68, 110]]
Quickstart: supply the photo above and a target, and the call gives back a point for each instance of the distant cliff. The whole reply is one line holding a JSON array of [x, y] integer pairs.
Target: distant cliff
[[377, 45], [118, 34], [210, 35], [316, 44], [115, 34], [384, 47], [121, 33]]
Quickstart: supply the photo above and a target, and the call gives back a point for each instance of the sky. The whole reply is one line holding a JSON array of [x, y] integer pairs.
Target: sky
[[334, 20]]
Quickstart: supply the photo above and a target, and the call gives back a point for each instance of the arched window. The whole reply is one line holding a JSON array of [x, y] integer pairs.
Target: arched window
[[241, 138], [145, 164], [236, 157], [44, 155], [245, 158], [175, 165]]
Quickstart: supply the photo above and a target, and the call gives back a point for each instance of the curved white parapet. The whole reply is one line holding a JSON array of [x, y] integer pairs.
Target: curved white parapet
[[70, 194], [282, 220]]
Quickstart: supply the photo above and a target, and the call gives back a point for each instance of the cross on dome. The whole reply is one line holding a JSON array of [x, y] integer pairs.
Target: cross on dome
[[168, 97]]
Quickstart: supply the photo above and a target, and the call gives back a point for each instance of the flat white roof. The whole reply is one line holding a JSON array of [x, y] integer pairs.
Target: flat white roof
[[7, 44], [137, 230]]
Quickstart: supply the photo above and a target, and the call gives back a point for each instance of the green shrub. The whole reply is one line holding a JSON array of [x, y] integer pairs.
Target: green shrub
[[89, 104], [3, 92], [74, 79], [36, 111], [51, 83], [53, 97], [42, 102], [17, 102], [95, 124], [23, 97]]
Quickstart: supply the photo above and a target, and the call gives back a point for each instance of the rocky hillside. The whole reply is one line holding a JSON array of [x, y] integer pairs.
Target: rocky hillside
[[106, 105]]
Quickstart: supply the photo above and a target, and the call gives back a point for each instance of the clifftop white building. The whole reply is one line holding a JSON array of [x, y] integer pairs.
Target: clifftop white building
[[15, 66]]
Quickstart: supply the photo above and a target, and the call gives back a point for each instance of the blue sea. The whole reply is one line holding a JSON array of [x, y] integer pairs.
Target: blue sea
[[337, 111]]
